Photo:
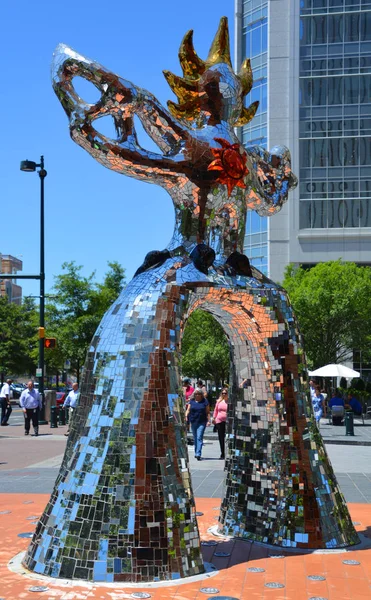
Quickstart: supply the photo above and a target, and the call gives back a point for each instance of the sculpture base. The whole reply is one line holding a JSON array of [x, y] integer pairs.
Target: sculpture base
[[243, 573], [16, 566], [280, 551]]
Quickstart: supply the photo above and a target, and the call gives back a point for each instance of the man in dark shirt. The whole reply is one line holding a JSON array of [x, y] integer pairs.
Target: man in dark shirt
[[353, 404], [336, 404], [336, 399]]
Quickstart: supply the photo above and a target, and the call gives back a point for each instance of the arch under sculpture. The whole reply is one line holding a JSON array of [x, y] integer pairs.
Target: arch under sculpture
[[122, 508]]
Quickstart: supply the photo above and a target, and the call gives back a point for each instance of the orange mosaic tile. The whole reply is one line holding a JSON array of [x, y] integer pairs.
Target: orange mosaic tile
[[237, 577]]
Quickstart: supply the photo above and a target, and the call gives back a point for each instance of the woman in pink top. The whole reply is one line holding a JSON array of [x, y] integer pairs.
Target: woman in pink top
[[188, 389], [220, 417]]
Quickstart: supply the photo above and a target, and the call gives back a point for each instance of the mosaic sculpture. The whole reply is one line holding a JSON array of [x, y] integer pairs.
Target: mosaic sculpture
[[122, 508]]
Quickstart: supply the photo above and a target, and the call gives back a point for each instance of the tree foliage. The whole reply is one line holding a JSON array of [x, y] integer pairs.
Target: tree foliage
[[75, 311], [18, 337], [332, 302], [205, 349], [72, 315]]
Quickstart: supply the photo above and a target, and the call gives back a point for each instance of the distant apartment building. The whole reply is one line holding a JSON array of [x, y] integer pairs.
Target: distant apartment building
[[9, 287], [311, 61]]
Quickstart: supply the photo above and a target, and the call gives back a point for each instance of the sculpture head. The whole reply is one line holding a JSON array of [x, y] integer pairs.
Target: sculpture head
[[209, 91], [211, 178]]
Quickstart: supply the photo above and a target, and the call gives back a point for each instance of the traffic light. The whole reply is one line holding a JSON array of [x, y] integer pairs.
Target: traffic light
[[50, 343]]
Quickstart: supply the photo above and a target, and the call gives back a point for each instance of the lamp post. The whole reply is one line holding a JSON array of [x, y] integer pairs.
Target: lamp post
[[29, 167]]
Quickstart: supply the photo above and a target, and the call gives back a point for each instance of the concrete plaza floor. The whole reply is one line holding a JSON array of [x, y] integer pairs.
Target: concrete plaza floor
[[29, 466]]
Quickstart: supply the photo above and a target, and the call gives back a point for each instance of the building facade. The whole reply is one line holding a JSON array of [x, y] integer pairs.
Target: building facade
[[312, 75], [9, 287]]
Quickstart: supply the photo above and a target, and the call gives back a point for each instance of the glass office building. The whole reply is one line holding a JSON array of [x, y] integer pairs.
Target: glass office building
[[255, 47], [312, 75], [335, 114]]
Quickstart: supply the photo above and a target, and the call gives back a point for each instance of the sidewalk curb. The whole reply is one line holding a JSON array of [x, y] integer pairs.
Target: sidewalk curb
[[346, 442]]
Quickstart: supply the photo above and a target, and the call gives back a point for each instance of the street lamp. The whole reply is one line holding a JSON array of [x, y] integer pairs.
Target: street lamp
[[28, 166]]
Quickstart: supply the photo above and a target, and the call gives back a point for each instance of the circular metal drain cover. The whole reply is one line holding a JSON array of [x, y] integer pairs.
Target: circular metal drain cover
[[274, 585], [199, 514], [351, 562], [209, 590], [140, 595], [316, 578], [26, 535], [220, 554], [211, 543], [5, 512], [256, 570], [224, 598], [38, 588]]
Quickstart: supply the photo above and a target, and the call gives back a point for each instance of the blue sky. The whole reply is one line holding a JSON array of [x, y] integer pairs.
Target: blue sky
[[93, 215]]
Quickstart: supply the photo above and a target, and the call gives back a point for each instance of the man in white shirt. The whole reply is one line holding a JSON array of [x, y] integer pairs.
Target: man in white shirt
[[6, 407], [31, 404], [71, 402]]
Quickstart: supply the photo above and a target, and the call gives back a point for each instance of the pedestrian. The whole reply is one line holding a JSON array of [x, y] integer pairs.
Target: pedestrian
[[71, 403], [220, 418], [6, 407], [198, 415], [202, 387], [188, 389], [312, 388], [318, 405], [31, 403]]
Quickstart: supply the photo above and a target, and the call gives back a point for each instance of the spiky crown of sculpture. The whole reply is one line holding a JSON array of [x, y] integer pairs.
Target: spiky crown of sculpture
[[188, 89]]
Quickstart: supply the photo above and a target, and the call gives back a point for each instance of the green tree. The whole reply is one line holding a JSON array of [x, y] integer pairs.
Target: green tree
[[332, 302], [205, 349], [18, 337], [75, 311]]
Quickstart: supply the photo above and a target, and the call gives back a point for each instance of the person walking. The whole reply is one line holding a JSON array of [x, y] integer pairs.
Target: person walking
[[220, 418], [6, 407], [202, 387], [188, 389], [312, 388], [198, 415], [31, 404], [71, 403], [318, 405]]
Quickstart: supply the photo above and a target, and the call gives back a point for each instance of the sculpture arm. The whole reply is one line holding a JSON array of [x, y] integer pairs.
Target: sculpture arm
[[271, 177], [162, 128], [121, 100]]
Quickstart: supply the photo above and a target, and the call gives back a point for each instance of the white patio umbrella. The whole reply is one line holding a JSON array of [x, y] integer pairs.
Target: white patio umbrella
[[335, 371]]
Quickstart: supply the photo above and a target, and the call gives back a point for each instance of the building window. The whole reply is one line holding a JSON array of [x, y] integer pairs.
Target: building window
[[335, 113]]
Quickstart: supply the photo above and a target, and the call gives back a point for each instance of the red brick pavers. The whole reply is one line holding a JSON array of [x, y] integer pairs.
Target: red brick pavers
[[342, 582]]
